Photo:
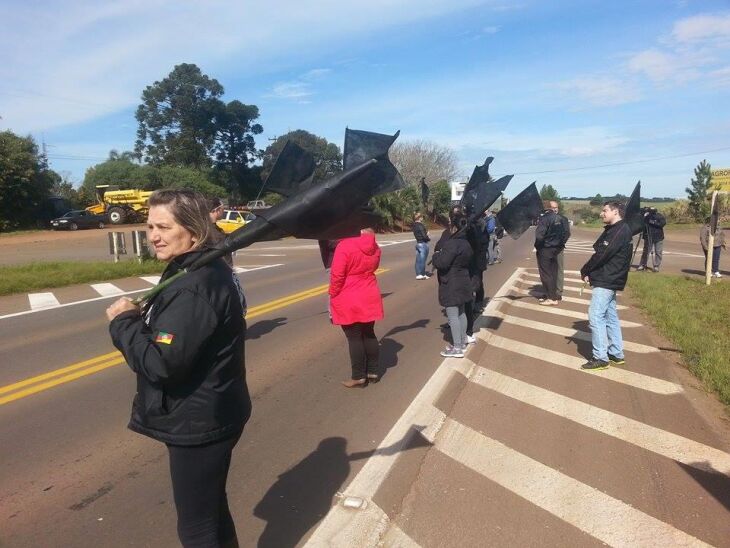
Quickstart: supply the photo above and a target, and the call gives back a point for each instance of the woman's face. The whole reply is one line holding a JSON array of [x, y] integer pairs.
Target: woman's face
[[168, 237]]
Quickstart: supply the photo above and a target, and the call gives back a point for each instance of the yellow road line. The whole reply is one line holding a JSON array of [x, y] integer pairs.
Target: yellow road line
[[99, 363], [57, 372], [61, 380]]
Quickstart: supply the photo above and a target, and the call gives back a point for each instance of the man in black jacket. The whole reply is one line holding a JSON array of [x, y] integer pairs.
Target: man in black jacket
[[607, 271], [550, 241], [653, 236], [422, 239]]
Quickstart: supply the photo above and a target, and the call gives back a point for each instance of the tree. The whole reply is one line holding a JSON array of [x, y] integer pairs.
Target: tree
[[416, 159], [697, 192], [596, 200], [25, 181], [547, 192], [327, 156], [120, 172], [235, 148], [177, 119], [441, 199]]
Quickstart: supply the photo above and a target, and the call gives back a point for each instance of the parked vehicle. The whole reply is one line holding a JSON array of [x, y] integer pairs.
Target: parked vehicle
[[79, 218], [120, 205], [233, 219]]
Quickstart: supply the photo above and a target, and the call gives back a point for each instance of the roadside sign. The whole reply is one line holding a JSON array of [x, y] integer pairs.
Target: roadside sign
[[721, 179]]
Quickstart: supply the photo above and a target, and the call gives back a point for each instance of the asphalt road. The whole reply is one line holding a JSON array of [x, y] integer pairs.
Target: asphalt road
[[73, 475]]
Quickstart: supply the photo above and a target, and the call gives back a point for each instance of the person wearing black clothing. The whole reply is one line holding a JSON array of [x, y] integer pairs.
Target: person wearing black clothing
[[479, 240], [607, 271], [653, 236], [550, 241], [561, 256], [451, 258], [422, 239], [186, 347]]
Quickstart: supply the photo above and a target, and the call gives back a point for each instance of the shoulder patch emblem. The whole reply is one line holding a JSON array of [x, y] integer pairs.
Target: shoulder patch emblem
[[164, 338]]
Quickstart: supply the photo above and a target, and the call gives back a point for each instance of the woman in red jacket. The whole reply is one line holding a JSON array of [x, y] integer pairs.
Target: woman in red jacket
[[356, 304]]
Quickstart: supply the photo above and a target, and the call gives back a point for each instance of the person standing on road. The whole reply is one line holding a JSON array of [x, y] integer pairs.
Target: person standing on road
[[653, 236], [490, 225], [186, 347], [451, 259], [356, 303], [549, 243], [607, 271], [497, 235], [422, 239], [561, 256], [717, 246]]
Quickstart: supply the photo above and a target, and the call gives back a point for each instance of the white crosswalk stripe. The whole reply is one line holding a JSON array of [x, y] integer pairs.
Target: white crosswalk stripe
[[616, 374], [598, 514], [576, 280], [557, 311], [154, 280], [586, 290], [39, 301], [574, 300], [252, 268], [107, 289], [667, 444], [566, 331]]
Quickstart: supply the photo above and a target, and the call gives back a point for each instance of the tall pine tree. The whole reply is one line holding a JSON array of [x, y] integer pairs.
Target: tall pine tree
[[699, 206]]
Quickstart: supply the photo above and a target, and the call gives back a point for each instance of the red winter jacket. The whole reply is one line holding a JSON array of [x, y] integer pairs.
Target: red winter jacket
[[354, 292]]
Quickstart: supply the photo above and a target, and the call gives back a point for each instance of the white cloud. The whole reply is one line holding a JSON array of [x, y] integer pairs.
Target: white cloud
[[599, 91], [703, 28], [291, 90], [105, 53], [490, 30]]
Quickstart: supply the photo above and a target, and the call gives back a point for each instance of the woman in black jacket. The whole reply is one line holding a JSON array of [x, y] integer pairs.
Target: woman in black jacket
[[186, 347], [451, 259]]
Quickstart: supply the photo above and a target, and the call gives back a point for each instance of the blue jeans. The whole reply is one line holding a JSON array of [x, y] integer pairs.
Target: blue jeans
[[605, 326], [421, 256], [715, 258]]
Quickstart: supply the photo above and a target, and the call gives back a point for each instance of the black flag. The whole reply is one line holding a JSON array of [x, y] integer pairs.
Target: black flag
[[632, 215], [521, 212]]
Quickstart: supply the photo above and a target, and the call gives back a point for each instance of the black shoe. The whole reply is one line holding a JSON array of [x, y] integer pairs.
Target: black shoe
[[594, 365], [613, 360]]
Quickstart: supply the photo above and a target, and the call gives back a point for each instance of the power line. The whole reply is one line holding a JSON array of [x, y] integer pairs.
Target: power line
[[616, 164]]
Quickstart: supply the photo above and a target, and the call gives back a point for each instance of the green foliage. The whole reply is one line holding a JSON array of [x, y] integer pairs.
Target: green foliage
[[547, 192], [697, 192], [597, 200], [327, 156], [123, 173], [186, 177], [25, 181], [184, 123], [586, 214], [695, 318], [35, 276], [440, 198]]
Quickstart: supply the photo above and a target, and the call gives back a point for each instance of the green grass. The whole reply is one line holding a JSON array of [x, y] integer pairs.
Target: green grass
[[21, 232], [35, 276], [696, 318]]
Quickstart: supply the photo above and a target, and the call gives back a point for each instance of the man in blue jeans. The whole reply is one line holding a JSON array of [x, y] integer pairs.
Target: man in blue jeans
[[607, 271], [422, 239]]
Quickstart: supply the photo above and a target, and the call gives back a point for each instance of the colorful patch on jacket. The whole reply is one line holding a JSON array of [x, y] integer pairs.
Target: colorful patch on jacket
[[164, 338]]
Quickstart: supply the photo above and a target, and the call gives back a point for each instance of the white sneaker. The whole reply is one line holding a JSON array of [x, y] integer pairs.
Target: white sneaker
[[717, 275], [471, 339], [421, 277]]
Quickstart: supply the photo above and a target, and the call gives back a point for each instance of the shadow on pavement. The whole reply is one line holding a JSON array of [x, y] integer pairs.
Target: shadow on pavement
[[389, 349], [418, 324], [263, 327], [302, 495], [715, 483]]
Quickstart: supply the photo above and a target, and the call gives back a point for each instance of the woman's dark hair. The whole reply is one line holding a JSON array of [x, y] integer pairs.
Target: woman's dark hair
[[190, 209], [458, 222]]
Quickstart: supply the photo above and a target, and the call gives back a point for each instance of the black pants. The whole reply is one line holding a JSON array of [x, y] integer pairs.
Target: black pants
[[479, 294], [364, 349], [199, 475], [547, 265]]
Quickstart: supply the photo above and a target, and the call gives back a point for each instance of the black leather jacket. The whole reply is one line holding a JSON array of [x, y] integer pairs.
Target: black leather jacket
[[609, 266], [187, 349]]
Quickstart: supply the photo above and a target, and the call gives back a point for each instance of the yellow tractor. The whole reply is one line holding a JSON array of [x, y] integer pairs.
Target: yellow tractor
[[121, 206]]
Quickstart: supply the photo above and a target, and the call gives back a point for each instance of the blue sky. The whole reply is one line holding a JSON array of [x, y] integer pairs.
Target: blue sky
[[547, 88]]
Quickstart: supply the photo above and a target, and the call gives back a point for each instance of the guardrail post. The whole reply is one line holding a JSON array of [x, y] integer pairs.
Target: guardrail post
[[117, 245], [139, 245]]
